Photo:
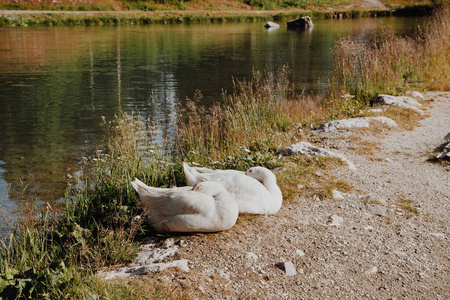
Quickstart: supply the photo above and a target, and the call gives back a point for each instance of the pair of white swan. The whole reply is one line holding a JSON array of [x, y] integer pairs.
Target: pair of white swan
[[214, 201]]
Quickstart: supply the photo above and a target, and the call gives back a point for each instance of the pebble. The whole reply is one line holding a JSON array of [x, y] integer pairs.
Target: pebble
[[337, 195], [251, 256], [378, 210], [299, 252], [372, 270], [334, 220], [436, 234], [288, 268]]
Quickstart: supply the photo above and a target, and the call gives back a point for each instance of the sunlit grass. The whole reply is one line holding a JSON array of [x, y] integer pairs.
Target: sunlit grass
[[260, 115], [389, 63]]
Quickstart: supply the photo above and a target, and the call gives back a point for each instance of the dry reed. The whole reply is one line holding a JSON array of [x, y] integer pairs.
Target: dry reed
[[251, 117], [388, 63]]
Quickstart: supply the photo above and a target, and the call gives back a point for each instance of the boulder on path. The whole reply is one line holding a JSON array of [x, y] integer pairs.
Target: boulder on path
[[398, 101], [308, 149], [445, 154], [363, 122]]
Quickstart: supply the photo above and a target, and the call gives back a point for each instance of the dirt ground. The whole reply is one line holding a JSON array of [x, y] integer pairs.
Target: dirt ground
[[390, 238]]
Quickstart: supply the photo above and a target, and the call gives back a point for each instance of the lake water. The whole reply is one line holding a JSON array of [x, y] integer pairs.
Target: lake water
[[57, 83]]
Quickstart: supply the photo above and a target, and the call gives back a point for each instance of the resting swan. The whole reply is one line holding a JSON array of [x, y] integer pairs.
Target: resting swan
[[205, 207], [256, 191]]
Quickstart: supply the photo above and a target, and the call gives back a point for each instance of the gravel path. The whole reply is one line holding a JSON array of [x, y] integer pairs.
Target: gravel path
[[389, 238]]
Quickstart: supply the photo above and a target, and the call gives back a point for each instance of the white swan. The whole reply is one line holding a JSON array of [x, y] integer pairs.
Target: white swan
[[256, 191], [205, 207]]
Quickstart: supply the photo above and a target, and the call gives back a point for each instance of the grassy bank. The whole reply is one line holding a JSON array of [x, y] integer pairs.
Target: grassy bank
[[57, 254], [142, 16]]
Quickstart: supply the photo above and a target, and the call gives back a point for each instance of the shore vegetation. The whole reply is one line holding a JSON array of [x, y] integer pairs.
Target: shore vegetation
[[101, 12], [57, 254]]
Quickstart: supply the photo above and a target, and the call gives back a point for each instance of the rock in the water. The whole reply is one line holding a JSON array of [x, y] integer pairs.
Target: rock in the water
[[363, 122], [335, 221], [301, 23], [288, 268], [378, 210], [272, 25], [398, 101], [308, 149]]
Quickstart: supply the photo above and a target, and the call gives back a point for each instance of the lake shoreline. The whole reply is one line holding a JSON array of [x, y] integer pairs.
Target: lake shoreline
[[25, 18]]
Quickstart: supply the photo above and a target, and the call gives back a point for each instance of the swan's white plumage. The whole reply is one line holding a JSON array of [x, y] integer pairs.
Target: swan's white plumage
[[206, 207], [256, 191]]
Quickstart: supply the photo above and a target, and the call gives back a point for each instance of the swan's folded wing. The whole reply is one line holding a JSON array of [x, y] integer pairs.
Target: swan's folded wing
[[189, 202]]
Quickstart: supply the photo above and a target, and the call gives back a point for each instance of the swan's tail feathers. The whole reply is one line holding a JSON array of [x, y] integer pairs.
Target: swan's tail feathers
[[204, 170], [192, 175], [139, 186]]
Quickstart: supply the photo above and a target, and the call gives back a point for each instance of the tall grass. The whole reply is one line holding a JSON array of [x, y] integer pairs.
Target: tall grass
[[259, 115], [388, 63], [57, 254]]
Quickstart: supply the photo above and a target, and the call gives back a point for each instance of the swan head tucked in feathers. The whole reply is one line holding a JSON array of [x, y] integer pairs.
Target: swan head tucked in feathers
[[210, 188], [261, 174]]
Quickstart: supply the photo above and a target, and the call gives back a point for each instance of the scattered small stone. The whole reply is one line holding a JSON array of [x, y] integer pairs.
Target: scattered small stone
[[337, 195], [223, 274], [335, 220], [299, 252], [370, 228], [436, 234], [378, 210], [169, 243], [288, 268], [372, 270], [251, 256]]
